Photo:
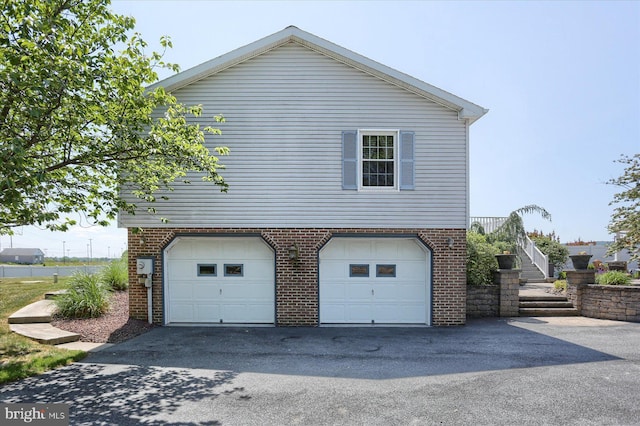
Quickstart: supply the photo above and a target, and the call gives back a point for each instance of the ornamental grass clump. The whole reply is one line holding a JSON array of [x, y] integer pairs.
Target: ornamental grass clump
[[86, 297], [115, 275], [613, 278]]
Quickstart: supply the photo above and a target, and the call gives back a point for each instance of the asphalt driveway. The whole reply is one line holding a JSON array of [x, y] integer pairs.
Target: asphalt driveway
[[496, 371]]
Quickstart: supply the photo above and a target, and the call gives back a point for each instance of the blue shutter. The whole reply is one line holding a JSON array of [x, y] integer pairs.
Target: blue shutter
[[407, 166], [350, 159]]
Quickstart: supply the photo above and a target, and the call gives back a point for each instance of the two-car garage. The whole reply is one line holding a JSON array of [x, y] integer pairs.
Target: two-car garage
[[232, 280]]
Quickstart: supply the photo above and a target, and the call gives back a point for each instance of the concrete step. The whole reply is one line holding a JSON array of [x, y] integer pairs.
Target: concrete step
[[545, 304], [550, 297], [548, 312], [36, 312], [44, 333], [51, 295]]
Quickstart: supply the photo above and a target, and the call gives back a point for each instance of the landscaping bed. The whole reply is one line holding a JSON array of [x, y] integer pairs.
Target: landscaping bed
[[114, 326]]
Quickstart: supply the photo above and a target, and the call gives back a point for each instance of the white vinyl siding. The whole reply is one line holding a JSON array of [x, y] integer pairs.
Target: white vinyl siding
[[285, 113]]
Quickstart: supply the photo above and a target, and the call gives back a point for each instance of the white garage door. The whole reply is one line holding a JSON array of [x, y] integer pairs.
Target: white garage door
[[219, 280], [374, 280]]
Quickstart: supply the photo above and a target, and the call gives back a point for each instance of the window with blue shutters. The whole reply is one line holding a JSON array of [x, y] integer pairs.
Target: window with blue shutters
[[378, 160]]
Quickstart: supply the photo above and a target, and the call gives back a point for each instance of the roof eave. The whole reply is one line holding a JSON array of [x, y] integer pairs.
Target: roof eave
[[466, 110]]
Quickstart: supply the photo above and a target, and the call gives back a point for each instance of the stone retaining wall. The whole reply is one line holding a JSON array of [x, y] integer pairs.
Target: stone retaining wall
[[483, 301], [620, 303]]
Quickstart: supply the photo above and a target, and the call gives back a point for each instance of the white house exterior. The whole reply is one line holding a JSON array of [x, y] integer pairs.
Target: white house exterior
[[360, 168]]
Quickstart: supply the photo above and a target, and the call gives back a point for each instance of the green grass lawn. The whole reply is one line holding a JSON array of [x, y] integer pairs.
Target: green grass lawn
[[21, 357]]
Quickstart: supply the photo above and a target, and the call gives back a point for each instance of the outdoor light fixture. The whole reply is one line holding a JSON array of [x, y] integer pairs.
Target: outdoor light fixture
[[142, 241], [450, 242], [293, 252]]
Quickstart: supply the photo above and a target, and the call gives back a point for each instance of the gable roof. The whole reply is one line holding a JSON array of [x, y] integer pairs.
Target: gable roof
[[22, 252], [466, 110]]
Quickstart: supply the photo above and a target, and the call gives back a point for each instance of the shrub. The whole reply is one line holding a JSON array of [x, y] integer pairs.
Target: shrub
[[86, 297], [560, 285], [557, 253], [613, 278], [115, 275], [481, 260]]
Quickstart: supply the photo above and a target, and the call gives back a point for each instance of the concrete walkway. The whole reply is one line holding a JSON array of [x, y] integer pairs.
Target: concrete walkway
[[536, 289], [33, 321]]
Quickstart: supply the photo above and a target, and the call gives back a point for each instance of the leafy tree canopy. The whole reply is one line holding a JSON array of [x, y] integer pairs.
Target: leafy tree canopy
[[76, 123], [511, 231], [625, 221]]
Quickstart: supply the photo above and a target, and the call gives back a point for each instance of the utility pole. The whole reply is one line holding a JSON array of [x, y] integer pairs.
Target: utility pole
[[90, 250], [63, 251]]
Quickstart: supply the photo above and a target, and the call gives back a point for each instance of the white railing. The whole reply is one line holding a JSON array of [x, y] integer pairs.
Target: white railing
[[489, 224], [539, 259]]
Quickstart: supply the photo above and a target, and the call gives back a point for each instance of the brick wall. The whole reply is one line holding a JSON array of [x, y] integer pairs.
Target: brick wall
[[297, 282]]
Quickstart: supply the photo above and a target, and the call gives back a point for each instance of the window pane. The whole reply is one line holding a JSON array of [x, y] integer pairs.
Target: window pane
[[385, 270], [234, 270], [359, 270], [378, 163], [207, 270]]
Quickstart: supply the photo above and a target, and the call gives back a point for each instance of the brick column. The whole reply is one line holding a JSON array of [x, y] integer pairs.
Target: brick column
[[509, 282], [577, 281]]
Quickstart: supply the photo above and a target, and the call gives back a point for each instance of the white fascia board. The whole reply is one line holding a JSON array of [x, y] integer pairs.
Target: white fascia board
[[222, 62], [466, 110]]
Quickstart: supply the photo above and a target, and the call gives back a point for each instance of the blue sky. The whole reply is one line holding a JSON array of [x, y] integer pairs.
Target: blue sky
[[561, 81]]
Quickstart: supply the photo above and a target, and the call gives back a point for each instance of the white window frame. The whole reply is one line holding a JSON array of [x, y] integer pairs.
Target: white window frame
[[396, 141]]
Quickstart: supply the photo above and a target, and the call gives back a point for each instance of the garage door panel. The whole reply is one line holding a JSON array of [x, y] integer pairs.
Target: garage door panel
[[359, 249], [358, 291], [182, 312], [401, 314], [181, 269], [245, 312], [246, 291], [400, 298], [182, 291], [337, 311], [359, 313], [206, 312], [205, 291], [385, 249], [335, 269], [248, 297]]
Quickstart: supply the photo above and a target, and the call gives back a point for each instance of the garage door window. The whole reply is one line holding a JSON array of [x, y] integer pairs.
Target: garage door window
[[207, 270], [358, 270], [234, 270], [385, 270]]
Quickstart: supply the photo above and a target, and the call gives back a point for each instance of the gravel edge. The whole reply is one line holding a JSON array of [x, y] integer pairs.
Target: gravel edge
[[113, 327]]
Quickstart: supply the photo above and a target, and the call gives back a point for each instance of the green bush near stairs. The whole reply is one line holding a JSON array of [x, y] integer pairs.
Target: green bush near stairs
[[613, 278]]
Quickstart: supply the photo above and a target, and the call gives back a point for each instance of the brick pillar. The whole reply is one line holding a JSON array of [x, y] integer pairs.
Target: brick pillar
[[509, 282], [577, 281]]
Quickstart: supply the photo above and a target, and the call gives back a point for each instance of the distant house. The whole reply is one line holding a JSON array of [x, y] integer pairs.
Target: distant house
[[27, 256], [348, 200]]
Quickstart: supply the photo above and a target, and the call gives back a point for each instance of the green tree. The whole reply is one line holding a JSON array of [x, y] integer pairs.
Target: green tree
[[512, 231], [625, 221], [76, 123], [557, 253]]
